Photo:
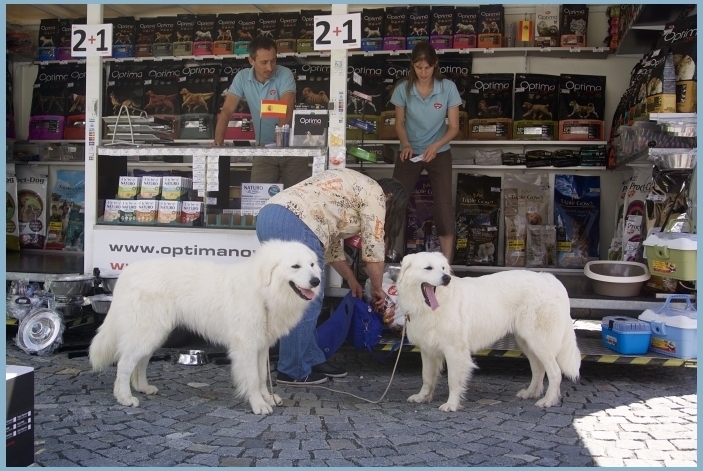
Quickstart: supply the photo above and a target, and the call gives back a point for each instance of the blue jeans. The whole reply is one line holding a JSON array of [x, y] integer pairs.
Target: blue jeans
[[298, 351]]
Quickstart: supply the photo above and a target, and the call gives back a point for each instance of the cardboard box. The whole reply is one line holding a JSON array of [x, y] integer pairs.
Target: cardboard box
[[19, 421]]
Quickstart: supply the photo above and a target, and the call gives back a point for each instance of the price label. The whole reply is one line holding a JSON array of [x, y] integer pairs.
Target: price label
[[337, 32], [91, 40]]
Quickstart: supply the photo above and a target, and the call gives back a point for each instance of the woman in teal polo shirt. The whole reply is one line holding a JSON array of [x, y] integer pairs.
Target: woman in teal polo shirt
[[422, 102]]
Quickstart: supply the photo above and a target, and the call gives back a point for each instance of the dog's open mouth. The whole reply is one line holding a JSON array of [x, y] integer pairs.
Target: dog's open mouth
[[428, 291], [306, 294]]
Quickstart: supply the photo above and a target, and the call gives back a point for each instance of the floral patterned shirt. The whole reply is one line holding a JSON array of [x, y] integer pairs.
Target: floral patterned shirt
[[337, 204]]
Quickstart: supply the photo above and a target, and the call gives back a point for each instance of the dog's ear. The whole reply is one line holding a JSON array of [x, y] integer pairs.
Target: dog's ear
[[403, 267]]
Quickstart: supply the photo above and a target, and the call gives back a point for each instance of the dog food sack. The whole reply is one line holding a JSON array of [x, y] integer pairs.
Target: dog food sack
[[441, 27], [574, 24], [372, 28], [247, 29], [466, 21], [661, 84], [124, 33], [11, 213], [683, 47], [32, 184], [615, 249], [165, 33], [306, 30], [313, 86], [581, 107], [634, 213], [541, 248], [526, 202], [267, 25], [125, 89], [225, 30], [536, 112], [490, 106], [477, 219], [668, 199], [161, 93], [198, 98], [48, 109], [396, 23], [491, 25], [146, 34], [67, 202], [183, 33], [371, 72], [418, 25], [459, 72], [393, 72], [240, 125], [577, 217], [287, 31], [49, 31], [420, 232], [546, 26]]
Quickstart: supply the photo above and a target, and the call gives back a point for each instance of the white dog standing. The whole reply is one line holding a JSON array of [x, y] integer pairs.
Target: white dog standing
[[449, 318], [245, 306]]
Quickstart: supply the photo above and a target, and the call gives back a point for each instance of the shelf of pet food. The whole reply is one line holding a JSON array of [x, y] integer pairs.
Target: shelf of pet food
[[667, 116], [514, 143], [212, 57], [586, 52], [459, 166], [214, 151], [40, 265], [70, 163], [642, 157]]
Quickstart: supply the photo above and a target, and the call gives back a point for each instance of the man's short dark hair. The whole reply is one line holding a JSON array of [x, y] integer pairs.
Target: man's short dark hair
[[261, 42]]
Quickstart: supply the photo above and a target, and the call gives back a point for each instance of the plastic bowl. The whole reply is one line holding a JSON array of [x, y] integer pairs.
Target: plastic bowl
[[616, 278]]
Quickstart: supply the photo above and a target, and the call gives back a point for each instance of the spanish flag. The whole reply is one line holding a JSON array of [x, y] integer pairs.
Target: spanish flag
[[273, 109]]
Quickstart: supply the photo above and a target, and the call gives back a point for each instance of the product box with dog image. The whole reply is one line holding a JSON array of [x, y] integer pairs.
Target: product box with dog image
[[491, 26], [477, 219], [225, 31], [396, 22], [161, 98], [165, 33], [372, 28], [420, 231], [197, 93], [459, 72], [574, 24], [306, 29], [48, 110], [247, 25], [183, 35], [526, 203], [393, 73], [123, 36], [418, 25], [490, 106], [465, 26], [204, 34], [441, 27], [581, 107], [146, 34], [49, 31], [536, 112], [369, 110], [267, 25], [240, 124], [287, 31]]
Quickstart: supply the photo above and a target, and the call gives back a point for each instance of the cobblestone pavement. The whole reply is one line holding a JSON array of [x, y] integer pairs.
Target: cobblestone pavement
[[616, 415]]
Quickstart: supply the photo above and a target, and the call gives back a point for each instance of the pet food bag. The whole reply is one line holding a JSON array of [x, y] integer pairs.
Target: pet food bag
[[32, 184], [526, 202], [420, 231], [477, 219], [634, 214], [67, 211], [11, 211], [577, 218]]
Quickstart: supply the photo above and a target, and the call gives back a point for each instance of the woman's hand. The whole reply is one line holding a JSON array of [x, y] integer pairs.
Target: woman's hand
[[431, 152], [379, 299], [356, 290], [405, 153]]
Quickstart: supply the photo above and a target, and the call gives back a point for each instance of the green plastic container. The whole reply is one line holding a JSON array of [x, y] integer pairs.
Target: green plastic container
[[672, 255]]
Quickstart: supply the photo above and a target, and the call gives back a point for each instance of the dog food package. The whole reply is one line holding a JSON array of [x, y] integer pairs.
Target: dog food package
[[661, 83], [240, 124], [418, 25], [393, 72], [396, 24], [247, 29], [441, 27], [67, 200], [267, 25], [581, 107], [525, 202], [547, 26], [49, 31], [183, 35], [306, 29], [191, 212], [573, 25], [146, 34], [112, 211], [615, 249], [536, 112], [477, 219], [146, 211], [128, 211], [287, 31], [372, 28], [491, 26], [125, 89], [222, 43], [577, 217], [312, 86], [128, 187], [11, 213], [169, 212], [48, 109], [161, 93], [165, 34], [465, 24], [63, 46], [490, 106], [32, 182], [309, 128], [420, 232], [371, 73], [124, 34], [668, 199], [541, 247], [150, 188], [205, 30], [685, 53], [634, 211], [459, 72], [75, 104], [198, 98]]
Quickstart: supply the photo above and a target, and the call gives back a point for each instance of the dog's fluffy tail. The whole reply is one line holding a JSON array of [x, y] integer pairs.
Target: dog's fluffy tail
[[569, 357], [103, 348]]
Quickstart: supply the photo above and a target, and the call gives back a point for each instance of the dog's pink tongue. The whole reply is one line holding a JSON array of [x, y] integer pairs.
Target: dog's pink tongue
[[431, 298], [308, 293]]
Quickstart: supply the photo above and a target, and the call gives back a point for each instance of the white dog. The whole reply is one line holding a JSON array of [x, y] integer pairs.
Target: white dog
[[245, 306], [450, 318]]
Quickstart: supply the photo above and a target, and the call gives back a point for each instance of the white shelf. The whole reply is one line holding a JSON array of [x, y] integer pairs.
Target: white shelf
[[492, 143], [455, 166], [67, 163], [214, 151]]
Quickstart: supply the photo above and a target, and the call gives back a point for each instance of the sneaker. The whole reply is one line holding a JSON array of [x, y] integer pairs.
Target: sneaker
[[312, 378], [329, 370]]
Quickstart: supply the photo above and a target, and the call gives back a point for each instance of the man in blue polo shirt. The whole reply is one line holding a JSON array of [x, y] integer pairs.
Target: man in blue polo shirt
[[264, 81]]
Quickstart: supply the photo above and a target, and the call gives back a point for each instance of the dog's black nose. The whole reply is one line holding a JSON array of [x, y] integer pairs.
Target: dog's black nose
[[314, 281], [446, 279]]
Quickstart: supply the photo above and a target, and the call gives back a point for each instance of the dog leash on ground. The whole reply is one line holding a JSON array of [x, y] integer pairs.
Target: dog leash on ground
[[395, 366]]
